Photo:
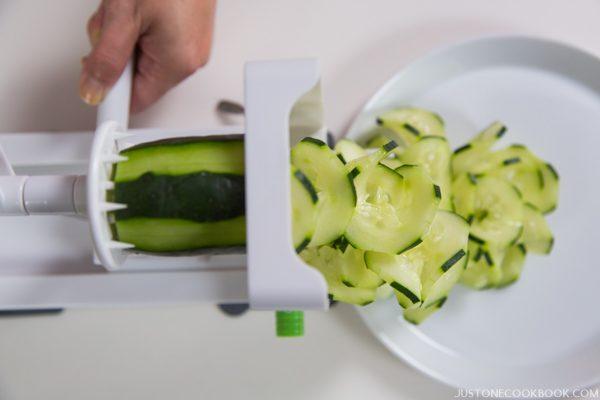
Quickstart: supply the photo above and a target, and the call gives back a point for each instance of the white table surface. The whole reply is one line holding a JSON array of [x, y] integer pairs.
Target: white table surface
[[194, 351]]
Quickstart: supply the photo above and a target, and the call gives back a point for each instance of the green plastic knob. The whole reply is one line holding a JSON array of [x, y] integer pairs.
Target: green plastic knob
[[290, 323]]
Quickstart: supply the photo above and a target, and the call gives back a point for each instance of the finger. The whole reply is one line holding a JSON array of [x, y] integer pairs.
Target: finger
[[103, 66], [94, 26], [150, 82], [161, 69]]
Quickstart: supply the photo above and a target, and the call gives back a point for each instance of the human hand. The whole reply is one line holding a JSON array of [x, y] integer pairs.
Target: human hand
[[171, 40]]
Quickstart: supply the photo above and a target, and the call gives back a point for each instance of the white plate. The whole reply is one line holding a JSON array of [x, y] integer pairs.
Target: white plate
[[544, 331]]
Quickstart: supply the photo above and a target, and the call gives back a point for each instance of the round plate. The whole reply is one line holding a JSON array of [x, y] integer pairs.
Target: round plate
[[543, 331]]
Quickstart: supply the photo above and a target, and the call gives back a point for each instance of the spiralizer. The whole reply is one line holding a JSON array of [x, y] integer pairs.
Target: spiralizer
[[58, 248]]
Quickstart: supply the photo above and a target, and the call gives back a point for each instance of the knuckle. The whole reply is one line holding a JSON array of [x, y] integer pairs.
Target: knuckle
[[119, 6], [105, 67], [126, 12], [193, 60]]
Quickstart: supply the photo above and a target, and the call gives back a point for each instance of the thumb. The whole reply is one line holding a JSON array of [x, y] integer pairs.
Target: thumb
[[117, 27]]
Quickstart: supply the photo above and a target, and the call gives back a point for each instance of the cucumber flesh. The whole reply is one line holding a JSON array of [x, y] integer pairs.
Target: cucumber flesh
[[410, 124], [377, 141], [372, 158], [327, 260], [349, 150], [475, 156], [432, 153], [444, 251], [392, 162], [304, 209], [394, 208], [539, 186], [512, 265], [463, 195], [399, 271], [537, 236], [426, 273], [419, 314], [494, 209], [354, 272], [484, 267], [471, 159], [335, 190], [489, 135], [536, 180]]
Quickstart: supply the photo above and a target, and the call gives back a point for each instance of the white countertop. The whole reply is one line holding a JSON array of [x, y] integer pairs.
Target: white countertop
[[194, 351]]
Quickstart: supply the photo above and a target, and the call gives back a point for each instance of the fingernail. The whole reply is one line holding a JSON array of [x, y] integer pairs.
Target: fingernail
[[95, 37], [90, 90]]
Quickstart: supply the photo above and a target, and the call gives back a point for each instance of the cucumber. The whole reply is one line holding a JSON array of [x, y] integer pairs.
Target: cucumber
[[188, 195], [304, 209], [354, 272], [377, 141], [329, 261], [539, 185], [494, 209], [419, 314], [432, 153], [489, 135], [394, 208], [537, 236], [392, 162], [445, 250], [349, 150], [399, 271], [181, 156], [445, 253], [484, 267], [182, 194], [537, 181], [474, 157], [463, 195], [337, 198], [199, 196], [384, 291], [425, 274], [165, 235], [411, 124], [371, 158], [512, 265]]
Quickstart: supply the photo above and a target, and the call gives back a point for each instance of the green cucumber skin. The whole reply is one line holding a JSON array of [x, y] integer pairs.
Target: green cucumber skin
[[412, 129], [453, 260], [167, 235], [391, 145], [405, 291], [501, 132], [463, 148], [199, 197], [182, 156], [411, 246], [185, 140], [314, 141], [307, 185]]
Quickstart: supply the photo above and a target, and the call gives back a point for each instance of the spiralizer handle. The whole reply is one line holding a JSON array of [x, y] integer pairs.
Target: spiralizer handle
[[111, 126], [115, 106]]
